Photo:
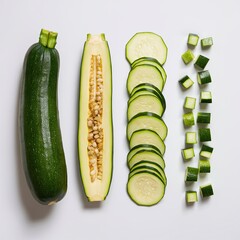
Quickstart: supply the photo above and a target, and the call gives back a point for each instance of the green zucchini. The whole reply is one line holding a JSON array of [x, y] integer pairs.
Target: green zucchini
[[42, 148], [95, 134]]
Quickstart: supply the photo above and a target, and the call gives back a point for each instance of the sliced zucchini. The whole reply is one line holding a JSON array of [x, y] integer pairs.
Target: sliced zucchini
[[142, 147], [148, 165], [145, 103], [146, 44], [150, 155], [145, 188], [146, 136], [145, 89], [147, 120], [150, 61], [95, 137], [144, 74]]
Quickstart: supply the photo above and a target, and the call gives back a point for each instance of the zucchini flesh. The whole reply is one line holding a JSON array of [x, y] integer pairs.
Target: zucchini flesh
[[191, 196], [145, 103], [147, 120], [95, 135], [144, 74], [146, 44], [145, 188], [42, 148]]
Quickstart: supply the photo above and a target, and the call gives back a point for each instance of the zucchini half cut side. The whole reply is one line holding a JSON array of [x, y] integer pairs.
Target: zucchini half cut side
[[146, 44], [95, 134], [145, 188]]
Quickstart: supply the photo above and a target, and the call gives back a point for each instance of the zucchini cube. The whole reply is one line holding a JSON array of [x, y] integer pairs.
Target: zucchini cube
[[188, 153], [204, 134], [205, 97], [206, 42], [191, 174], [204, 117], [187, 57], [189, 103], [201, 62], [188, 119], [192, 39], [206, 190], [190, 138], [191, 196], [204, 77], [204, 166], [206, 151], [186, 82]]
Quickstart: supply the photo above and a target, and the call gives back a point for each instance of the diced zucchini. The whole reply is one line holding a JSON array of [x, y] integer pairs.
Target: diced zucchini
[[191, 196], [190, 103], [186, 82], [188, 119], [146, 136], [188, 153], [201, 62], [204, 134], [188, 56], [204, 166], [206, 42], [204, 117], [206, 151], [204, 77], [191, 174], [205, 97], [206, 190], [192, 39], [191, 138]]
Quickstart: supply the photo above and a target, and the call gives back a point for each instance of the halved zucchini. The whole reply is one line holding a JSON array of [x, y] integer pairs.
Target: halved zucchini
[[146, 44], [95, 136]]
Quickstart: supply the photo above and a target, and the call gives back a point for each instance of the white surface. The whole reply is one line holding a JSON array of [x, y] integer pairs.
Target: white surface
[[118, 217]]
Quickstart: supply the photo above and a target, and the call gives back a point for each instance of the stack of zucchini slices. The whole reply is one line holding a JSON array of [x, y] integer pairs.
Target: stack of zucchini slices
[[146, 131]]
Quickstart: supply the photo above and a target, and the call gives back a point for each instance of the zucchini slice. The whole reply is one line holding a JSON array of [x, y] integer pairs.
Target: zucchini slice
[[143, 103], [150, 61], [95, 135], [146, 44], [145, 188], [147, 120], [150, 155], [146, 136], [144, 74], [140, 147]]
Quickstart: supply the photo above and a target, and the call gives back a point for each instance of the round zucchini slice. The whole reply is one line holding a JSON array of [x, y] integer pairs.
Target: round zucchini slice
[[145, 188], [95, 136], [146, 44]]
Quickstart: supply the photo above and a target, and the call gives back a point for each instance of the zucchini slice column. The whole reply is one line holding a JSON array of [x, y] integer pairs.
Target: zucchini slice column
[[95, 137]]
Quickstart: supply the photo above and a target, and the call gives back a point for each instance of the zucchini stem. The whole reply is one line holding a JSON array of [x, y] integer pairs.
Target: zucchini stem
[[48, 39]]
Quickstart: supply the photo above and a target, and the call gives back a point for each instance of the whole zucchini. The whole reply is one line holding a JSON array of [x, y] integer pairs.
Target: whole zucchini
[[42, 148]]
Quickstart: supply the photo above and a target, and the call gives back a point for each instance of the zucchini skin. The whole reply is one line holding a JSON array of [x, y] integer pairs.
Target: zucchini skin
[[42, 148]]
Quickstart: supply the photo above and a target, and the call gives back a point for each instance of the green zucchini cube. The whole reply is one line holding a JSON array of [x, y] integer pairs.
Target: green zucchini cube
[[206, 151], [191, 196], [206, 42], [204, 134], [204, 166], [190, 138], [187, 57], [188, 119], [186, 82], [204, 117], [191, 174], [189, 103], [205, 97], [192, 39], [204, 77], [206, 190], [201, 62], [188, 153]]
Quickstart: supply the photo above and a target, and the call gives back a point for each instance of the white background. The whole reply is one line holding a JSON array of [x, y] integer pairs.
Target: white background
[[118, 217]]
